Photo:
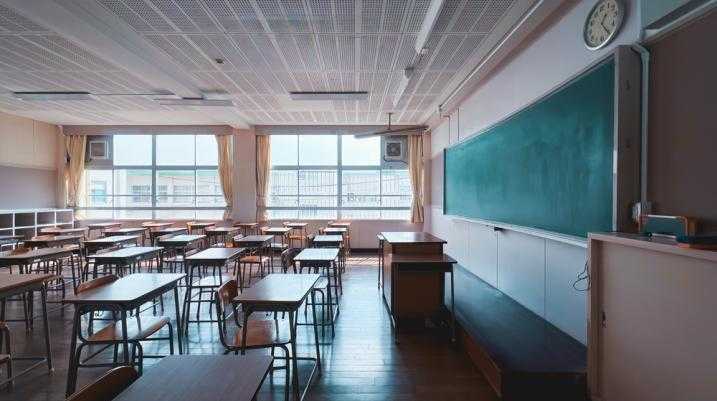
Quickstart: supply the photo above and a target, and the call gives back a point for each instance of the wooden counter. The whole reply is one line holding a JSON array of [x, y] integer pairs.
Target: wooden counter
[[652, 319], [413, 276]]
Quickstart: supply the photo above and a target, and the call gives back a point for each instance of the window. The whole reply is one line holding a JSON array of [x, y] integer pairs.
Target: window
[[156, 177], [331, 176]]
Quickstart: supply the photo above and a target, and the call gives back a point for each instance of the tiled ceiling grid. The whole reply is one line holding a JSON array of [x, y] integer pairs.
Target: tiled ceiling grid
[[269, 47]]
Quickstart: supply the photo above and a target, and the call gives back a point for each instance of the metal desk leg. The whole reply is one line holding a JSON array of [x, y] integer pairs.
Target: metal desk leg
[[180, 331], [294, 361], [74, 359], [316, 329], [125, 343], [43, 293]]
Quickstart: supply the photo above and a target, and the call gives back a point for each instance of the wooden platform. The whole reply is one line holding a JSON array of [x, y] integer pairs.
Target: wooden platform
[[520, 353]]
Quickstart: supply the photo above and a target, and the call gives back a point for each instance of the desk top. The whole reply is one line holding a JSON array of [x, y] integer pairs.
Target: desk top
[[58, 230], [152, 224], [200, 224], [10, 256], [221, 230], [126, 230], [201, 378], [276, 230], [331, 230], [106, 224], [317, 255], [13, 282], [340, 224], [295, 224], [50, 239], [328, 238], [128, 289], [182, 239], [254, 239], [237, 224], [279, 289], [169, 230], [130, 252], [115, 239], [411, 238], [215, 254]]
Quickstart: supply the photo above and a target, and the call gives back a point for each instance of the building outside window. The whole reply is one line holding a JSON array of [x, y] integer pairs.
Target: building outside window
[[156, 177], [335, 177]]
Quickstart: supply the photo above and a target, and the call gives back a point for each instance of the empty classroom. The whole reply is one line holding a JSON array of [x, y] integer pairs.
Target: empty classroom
[[356, 200]]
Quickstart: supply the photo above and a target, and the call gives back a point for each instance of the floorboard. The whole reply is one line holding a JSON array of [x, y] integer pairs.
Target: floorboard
[[361, 363]]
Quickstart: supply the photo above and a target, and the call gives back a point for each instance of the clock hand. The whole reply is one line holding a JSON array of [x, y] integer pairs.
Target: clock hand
[[602, 25]]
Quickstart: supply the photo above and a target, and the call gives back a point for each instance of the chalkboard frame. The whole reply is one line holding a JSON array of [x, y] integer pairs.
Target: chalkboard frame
[[627, 145]]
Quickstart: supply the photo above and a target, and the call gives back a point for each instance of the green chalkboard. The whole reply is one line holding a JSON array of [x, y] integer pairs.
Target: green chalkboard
[[549, 166]]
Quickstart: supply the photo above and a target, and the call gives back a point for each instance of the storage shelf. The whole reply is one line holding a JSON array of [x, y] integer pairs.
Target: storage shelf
[[27, 222]]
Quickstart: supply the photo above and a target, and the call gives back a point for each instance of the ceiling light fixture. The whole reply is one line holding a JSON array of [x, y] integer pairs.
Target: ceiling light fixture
[[52, 96], [358, 95], [195, 101], [434, 10]]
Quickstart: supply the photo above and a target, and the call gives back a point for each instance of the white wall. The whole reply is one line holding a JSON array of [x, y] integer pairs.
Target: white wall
[[27, 143], [28, 163], [535, 271]]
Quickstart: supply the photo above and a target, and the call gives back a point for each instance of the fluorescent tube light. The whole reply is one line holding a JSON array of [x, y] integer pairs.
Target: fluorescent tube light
[[52, 96], [328, 95], [191, 101], [434, 10]]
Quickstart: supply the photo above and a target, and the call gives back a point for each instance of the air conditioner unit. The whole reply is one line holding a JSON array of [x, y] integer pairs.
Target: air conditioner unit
[[99, 149], [394, 149]]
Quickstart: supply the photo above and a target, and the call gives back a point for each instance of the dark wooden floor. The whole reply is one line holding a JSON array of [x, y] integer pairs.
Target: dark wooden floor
[[361, 363]]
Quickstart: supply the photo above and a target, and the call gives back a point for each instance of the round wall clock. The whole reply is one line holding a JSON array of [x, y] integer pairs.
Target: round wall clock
[[603, 23]]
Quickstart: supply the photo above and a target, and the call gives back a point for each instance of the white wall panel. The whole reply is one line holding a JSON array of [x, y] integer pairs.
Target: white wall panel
[[483, 249], [565, 307], [521, 269]]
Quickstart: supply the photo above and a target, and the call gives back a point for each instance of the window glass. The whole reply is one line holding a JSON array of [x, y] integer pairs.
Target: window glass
[[175, 150], [318, 150], [207, 151], [284, 150], [361, 188], [360, 152], [132, 150], [98, 188], [179, 184]]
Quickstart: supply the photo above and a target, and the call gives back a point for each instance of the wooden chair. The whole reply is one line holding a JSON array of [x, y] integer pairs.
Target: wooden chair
[[6, 358], [138, 330], [107, 387], [253, 258], [255, 334], [296, 235]]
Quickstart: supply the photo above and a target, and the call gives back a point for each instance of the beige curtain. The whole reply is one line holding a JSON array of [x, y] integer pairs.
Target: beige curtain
[[226, 171], [415, 170], [263, 166], [74, 167]]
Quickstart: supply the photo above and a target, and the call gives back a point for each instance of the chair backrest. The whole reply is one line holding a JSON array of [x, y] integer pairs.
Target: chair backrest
[[310, 240], [224, 297], [263, 229], [287, 257], [98, 282], [107, 387]]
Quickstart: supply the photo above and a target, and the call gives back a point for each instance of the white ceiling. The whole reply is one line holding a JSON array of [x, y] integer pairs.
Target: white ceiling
[[270, 47]]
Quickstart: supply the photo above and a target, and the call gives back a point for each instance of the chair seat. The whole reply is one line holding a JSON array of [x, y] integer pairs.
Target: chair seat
[[4, 358], [254, 259], [211, 281], [276, 246], [135, 331], [262, 333]]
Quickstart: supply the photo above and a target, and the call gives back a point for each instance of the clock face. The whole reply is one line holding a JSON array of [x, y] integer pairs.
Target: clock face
[[603, 23]]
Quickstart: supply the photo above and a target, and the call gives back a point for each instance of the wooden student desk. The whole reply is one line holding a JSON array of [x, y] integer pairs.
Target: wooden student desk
[[414, 268]]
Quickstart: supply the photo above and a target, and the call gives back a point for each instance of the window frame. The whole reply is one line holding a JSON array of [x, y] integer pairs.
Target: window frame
[[154, 168], [339, 168]]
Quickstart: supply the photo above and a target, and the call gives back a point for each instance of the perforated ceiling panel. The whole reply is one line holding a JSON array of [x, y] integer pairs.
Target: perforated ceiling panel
[[266, 48]]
